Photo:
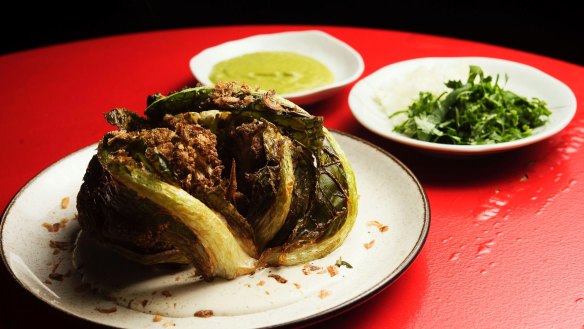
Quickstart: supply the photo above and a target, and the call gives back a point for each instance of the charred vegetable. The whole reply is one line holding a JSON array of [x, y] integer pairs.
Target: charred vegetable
[[226, 178]]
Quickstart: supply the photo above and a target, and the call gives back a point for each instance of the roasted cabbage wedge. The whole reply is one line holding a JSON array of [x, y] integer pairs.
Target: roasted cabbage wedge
[[227, 178]]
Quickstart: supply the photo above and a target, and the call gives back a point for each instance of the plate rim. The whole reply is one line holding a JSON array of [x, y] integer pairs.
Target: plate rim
[[314, 318], [398, 271], [571, 105]]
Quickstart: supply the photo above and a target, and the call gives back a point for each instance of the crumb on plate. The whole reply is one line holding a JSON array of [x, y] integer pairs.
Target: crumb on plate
[[204, 313], [65, 202], [278, 278], [369, 244]]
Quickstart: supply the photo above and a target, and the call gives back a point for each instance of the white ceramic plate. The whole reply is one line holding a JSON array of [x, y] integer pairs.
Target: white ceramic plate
[[397, 85], [389, 194], [345, 62]]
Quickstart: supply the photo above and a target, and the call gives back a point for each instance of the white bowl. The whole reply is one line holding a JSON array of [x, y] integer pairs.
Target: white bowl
[[345, 62], [400, 83]]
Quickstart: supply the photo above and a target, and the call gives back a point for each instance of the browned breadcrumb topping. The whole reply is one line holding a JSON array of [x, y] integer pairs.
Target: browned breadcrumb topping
[[333, 270], [144, 302], [369, 244], [232, 94], [227, 94], [278, 278], [106, 310], [204, 313], [157, 318], [323, 293], [189, 148], [271, 102], [166, 293]]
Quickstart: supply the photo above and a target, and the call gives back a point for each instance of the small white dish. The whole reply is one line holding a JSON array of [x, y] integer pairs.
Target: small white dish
[[397, 85], [345, 63], [389, 193]]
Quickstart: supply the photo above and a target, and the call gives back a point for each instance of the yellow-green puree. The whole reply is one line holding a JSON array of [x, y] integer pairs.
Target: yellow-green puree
[[285, 72]]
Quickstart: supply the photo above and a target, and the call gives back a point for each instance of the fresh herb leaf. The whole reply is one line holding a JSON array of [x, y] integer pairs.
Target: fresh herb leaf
[[341, 262], [471, 113]]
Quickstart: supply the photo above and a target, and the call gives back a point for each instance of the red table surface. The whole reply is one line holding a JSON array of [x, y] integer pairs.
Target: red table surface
[[505, 244]]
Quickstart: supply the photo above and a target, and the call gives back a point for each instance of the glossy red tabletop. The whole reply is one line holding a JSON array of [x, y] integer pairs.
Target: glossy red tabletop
[[505, 246]]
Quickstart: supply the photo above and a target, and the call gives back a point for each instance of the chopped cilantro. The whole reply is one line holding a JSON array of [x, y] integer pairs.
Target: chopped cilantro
[[341, 262], [473, 113]]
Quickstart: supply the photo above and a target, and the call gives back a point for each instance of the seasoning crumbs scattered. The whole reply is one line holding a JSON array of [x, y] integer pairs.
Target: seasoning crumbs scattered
[[278, 278], [261, 283], [169, 324], [60, 246], [369, 244], [379, 225], [55, 227], [297, 285], [157, 318], [307, 269], [166, 293], [267, 292], [65, 202], [52, 227], [332, 270], [204, 313], [324, 294]]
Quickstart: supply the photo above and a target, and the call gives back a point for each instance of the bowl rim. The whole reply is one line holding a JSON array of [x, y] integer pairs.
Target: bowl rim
[[546, 132], [355, 56]]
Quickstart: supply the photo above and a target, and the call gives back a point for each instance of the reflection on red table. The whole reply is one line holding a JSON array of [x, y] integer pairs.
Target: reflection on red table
[[504, 248]]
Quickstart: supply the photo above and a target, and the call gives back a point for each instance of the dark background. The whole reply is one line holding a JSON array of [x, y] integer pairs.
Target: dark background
[[552, 28]]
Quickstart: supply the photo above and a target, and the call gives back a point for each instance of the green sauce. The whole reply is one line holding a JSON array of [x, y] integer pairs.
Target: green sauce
[[285, 72]]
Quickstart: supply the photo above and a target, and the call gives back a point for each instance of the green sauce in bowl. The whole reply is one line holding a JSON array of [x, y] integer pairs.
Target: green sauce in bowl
[[285, 72]]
